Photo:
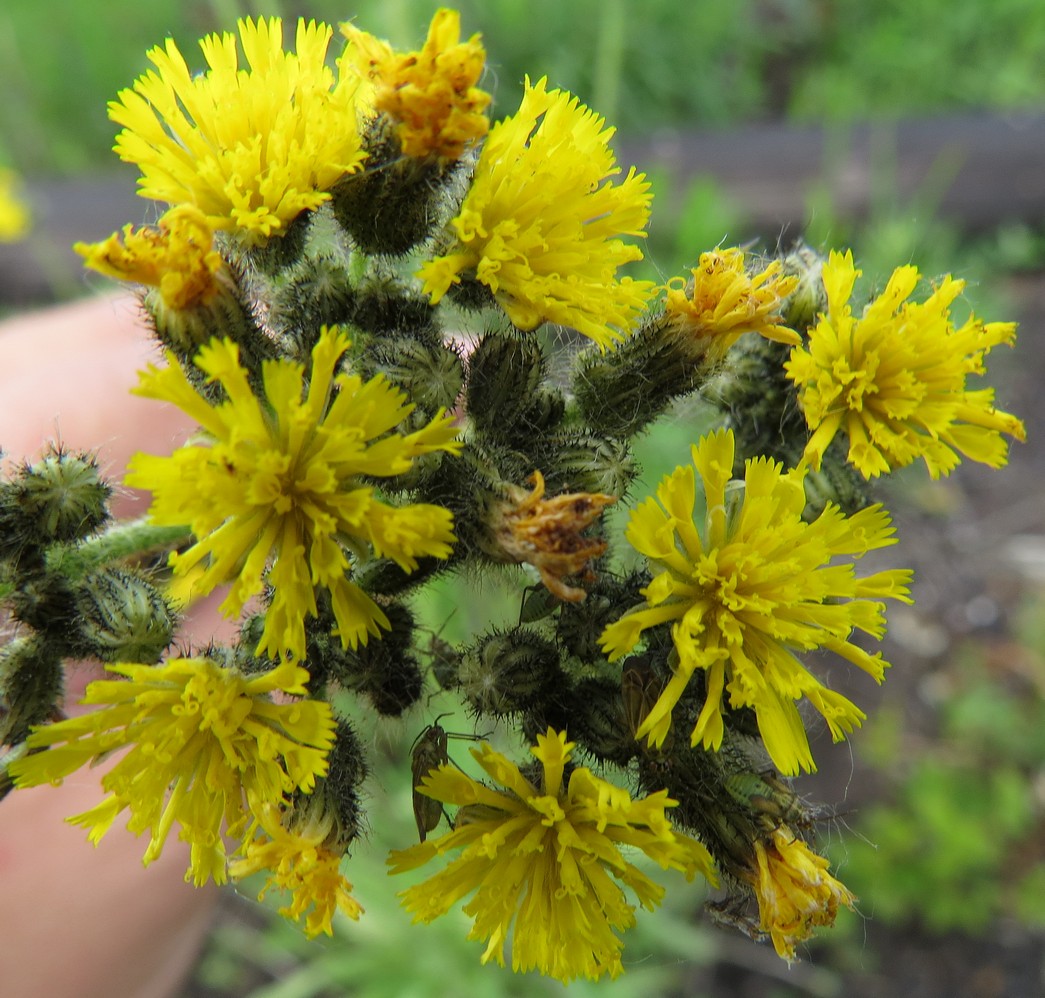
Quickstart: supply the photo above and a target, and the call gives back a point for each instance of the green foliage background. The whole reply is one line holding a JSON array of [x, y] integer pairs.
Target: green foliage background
[[644, 66]]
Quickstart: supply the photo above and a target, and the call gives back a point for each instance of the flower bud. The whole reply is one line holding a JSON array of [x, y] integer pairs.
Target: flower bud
[[809, 298], [598, 722], [60, 498], [318, 294], [396, 202], [431, 374], [122, 617], [384, 669], [505, 397], [506, 671], [583, 462], [31, 686]]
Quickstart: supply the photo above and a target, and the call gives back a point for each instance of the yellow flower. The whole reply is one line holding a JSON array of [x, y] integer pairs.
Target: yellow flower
[[177, 257], [794, 890], [302, 861], [722, 301], [750, 587], [14, 215], [200, 737], [251, 148], [282, 477], [540, 224], [431, 94], [544, 857], [894, 379]]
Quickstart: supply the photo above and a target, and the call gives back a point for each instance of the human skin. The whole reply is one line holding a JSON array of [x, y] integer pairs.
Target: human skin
[[78, 920]]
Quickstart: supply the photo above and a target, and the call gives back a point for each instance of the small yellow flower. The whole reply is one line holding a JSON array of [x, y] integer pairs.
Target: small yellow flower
[[177, 257], [251, 148], [282, 476], [541, 223], [201, 737], [794, 890], [301, 861], [893, 380], [546, 533], [431, 94], [541, 861], [14, 215], [722, 301], [747, 589]]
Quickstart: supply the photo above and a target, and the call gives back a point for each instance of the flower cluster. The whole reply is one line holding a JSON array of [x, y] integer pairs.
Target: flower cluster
[[358, 440], [177, 256], [430, 95], [251, 148], [201, 738], [283, 475], [747, 587], [894, 380], [542, 858], [541, 224]]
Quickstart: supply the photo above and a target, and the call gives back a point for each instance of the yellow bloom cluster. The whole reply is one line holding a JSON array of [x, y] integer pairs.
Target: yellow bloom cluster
[[14, 215], [431, 94], [893, 380], [201, 738], [795, 892], [251, 148], [301, 861], [283, 478], [540, 225], [541, 860], [749, 587], [177, 257], [722, 301]]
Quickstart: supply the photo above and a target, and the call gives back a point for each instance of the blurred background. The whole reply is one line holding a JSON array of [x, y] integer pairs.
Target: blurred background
[[909, 130]]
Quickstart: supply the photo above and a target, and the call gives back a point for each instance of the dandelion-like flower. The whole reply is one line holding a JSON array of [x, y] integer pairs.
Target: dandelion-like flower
[[177, 256], [301, 861], [747, 589], [722, 301], [280, 477], [541, 860], [541, 223], [201, 738], [795, 892], [14, 215], [431, 94], [251, 148], [894, 379], [546, 533]]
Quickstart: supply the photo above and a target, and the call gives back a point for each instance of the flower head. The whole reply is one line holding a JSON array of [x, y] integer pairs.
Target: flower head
[[177, 257], [303, 861], [546, 533], [894, 379], [14, 215], [541, 223], [748, 588], [431, 95], [251, 148], [723, 301], [201, 738], [794, 890], [281, 477], [544, 857]]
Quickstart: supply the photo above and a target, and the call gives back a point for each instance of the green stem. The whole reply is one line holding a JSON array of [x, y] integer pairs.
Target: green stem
[[123, 541]]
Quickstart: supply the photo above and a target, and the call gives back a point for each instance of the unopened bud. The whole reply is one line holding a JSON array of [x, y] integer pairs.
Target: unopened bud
[[60, 498], [122, 617], [508, 670]]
